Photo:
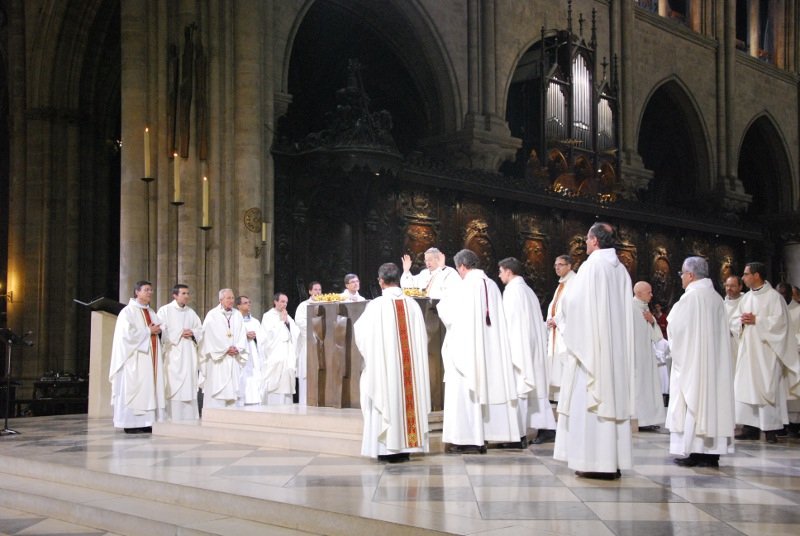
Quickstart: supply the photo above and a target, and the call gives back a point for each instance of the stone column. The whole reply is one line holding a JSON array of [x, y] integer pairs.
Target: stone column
[[753, 30], [633, 175], [488, 51], [249, 150], [791, 256], [137, 256]]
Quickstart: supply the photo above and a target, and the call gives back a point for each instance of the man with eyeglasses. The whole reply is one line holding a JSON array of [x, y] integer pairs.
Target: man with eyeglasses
[[351, 287], [555, 343], [596, 403], [767, 367], [700, 417]]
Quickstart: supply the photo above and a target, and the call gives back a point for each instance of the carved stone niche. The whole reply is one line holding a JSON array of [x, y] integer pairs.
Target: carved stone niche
[[534, 250], [577, 250], [627, 251], [476, 238], [724, 260], [661, 271], [420, 227]]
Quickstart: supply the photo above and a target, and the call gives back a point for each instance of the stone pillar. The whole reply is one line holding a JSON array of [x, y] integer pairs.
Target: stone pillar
[[488, 51], [137, 256], [17, 157], [663, 8], [249, 150], [633, 175], [791, 256], [753, 30], [473, 57], [734, 197]]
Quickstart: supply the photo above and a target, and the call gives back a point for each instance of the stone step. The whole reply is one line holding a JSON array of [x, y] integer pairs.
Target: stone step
[[131, 505], [306, 428]]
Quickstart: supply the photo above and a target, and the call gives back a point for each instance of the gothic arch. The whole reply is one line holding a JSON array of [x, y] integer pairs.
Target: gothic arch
[[673, 142], [764, 167], [404, 30]]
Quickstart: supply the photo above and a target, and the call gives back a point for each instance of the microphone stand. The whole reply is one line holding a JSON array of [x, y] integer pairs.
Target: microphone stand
[[10, 339]]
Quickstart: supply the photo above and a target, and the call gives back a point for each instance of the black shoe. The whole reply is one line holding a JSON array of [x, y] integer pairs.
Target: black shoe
[[544, 436], [466, 449], [394, 458], [793, 429], [652, 428], [598, 476], [772, 436], [698, 460], [749, 433], [141, 430]]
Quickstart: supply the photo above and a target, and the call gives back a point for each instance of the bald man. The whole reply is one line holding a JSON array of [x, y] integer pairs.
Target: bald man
[[649, 409]]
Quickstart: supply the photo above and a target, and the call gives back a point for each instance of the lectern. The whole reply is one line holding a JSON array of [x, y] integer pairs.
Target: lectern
[[104, 319]]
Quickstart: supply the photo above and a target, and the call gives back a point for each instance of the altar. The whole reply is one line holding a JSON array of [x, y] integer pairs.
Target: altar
[[334, 362]]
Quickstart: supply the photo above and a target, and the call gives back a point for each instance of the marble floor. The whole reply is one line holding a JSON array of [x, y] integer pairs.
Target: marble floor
[[504, 492]]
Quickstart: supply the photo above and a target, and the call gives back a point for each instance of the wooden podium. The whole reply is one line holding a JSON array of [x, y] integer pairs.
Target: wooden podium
[[334, 362], [104, 320]]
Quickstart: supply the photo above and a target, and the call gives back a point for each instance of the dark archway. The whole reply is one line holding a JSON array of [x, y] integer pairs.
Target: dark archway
[[672, 143], [395, 74], [764, 169]]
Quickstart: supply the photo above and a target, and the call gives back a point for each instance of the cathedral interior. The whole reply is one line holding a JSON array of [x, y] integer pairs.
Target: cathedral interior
[[260, 145]]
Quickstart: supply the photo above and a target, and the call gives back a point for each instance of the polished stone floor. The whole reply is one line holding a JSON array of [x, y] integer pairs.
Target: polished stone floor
[[505, 492]]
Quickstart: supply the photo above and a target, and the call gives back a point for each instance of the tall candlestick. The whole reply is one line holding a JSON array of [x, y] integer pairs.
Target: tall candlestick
[[177, 177], [268, 244], [205, 202], [147, 152], [263, 232]]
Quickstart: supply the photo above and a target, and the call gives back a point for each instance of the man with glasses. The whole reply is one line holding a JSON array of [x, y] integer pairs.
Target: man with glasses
[[555, 342], [700, 415], [767, 367], [351, 286]]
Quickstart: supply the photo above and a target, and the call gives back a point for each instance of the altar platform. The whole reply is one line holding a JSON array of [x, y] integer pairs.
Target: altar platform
[[290, 427], [72, 474]]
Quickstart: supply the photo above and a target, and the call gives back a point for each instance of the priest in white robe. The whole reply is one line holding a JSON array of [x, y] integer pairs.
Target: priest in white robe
[[301, 319], [767, 366], [281, 349], [649, 408], [136, 373], [700, 417], [480, 396], [594, 423], [351, 287], [251, 381], [434, 279], [527, 339], [181, 334], [224, 352], [394, 384], [556, 351], [733, 297]]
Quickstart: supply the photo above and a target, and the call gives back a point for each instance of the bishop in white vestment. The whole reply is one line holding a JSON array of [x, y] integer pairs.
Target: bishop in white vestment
[[480, 396], [224, 352], [394, 385], [649, 408], [281, 369], [435, 279], [181, 334], [251, 381], [594, 423], [136, 373], [700, 416], [527, 339]]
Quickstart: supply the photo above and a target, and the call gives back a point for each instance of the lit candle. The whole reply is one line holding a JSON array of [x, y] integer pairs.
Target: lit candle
[[268, 243], [263, 232], [177, 177], [147, 153], [205, 202]]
